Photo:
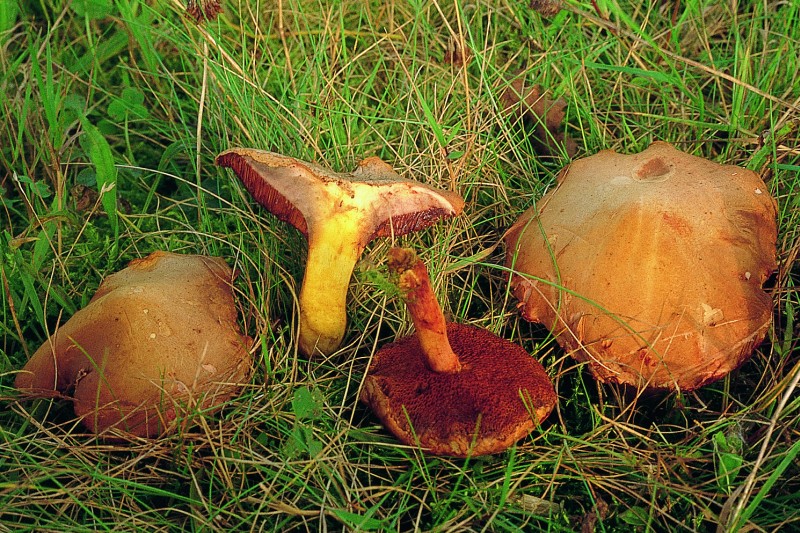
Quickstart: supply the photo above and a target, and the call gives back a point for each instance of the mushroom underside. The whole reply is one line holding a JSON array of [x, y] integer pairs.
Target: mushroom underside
[[497, 398], [339, 214]]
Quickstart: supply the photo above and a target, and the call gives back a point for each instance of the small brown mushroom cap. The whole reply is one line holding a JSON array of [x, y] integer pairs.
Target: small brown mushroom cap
[[499, 396], [339, 214], [157, 340], [649, 267]]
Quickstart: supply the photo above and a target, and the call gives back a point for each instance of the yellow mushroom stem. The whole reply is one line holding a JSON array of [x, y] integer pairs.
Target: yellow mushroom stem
[[333, 250], [429, 321]]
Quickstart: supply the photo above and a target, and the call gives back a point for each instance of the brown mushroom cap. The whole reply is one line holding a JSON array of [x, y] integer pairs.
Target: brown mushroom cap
[[649, 267], [339, 214], [306, 195], [158, 339], [499, 396]]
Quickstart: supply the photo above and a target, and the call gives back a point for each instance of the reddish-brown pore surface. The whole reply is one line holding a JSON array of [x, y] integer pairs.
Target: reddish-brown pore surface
[[498, 397], [410, 222], [265, 193]]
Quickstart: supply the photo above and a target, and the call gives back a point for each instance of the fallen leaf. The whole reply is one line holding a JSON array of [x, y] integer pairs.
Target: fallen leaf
[[535, 505], [546, 8], [591, 518], [455, 54], [534, 106], [203, 10]]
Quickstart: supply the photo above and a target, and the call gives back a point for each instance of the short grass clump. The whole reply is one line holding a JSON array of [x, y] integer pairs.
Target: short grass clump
[[112, 114]]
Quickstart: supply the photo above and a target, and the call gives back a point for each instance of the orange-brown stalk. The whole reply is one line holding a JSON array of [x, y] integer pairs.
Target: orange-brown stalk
[[425, 311]]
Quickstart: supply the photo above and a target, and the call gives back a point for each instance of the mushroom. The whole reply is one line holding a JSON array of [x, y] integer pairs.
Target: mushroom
[[158, 341], [649, 267], [453, 389], [339, 214]]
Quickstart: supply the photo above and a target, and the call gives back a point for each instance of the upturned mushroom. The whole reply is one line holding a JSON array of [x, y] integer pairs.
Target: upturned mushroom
[[339, 214], [649, 267], [158, 341], [453, 389]]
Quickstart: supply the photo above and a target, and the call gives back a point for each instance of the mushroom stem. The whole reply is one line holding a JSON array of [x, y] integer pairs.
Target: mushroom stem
[[332, 255], [339, 214], [425, 311]]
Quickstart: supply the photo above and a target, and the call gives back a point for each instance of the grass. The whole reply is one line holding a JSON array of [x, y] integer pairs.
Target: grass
[[112, 113]]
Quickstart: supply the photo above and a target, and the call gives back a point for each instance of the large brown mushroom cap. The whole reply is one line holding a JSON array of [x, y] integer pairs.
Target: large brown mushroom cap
[[339, 214], [307, 195], [158, 337], [649, 267], [500, 394]]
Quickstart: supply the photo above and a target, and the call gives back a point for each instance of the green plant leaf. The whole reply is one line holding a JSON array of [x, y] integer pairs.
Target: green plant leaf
[[9, 12], [357, 521], [38, 188], [128, 106], [634, 516], [92, 9], [101, 156], [728, 455], [301, 441], [307, 404]]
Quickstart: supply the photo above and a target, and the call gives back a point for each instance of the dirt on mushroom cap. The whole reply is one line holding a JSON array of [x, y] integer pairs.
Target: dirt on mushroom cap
[[649, 266], [476, 411], [158, 340]]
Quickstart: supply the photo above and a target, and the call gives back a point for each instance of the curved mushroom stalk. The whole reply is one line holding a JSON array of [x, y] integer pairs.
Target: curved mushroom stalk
[[157, 341], [339, 214], [453, 389], [334, 248], [425, 311], [649, 267]]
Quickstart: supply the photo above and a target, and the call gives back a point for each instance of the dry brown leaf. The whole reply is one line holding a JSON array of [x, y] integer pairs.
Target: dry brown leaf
[[455, 54], [203, 10], [538, 111], [546, 8], [590, 519]]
